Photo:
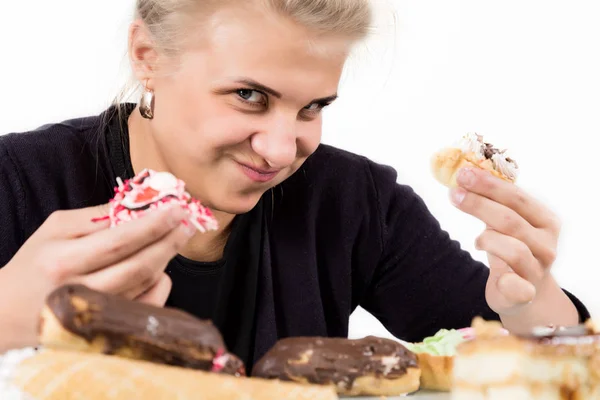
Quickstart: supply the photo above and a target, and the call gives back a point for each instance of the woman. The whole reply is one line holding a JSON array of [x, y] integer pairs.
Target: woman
[[233, 95]]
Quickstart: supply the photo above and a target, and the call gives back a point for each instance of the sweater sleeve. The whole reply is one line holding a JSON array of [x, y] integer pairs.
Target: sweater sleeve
[[424, 281], [12, 208]]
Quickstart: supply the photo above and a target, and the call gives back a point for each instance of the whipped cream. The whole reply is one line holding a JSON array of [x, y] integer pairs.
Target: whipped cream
[[389, 362], [503, 165], [473, 143]]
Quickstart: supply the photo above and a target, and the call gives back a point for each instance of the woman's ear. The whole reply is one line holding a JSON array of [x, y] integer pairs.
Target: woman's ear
[[143, 54]]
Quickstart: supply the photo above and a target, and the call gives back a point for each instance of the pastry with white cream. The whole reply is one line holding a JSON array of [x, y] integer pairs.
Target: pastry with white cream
[[472, 151], [548, 364]]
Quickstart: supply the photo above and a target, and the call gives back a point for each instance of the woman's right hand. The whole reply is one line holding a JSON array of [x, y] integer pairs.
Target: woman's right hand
[[69, 248]]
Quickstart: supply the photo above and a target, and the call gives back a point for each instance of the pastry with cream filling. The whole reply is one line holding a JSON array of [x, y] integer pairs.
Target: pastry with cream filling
[[548, 364], [151, 190], [436, 358], [472, 151], [370, 366]]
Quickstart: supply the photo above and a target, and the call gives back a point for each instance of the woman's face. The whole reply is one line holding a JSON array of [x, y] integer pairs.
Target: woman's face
[[242, 111]]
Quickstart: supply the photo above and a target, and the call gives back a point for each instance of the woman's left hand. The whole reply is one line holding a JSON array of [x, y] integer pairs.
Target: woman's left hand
[[520, 238]]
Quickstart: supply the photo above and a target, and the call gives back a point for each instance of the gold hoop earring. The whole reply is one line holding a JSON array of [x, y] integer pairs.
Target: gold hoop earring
[[147, 103]]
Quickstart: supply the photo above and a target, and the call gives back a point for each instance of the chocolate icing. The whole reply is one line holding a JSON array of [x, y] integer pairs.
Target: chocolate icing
[[335, 360], [163, 335]]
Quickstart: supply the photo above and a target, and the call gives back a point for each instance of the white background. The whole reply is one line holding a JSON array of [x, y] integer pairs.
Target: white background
[[526, 74]]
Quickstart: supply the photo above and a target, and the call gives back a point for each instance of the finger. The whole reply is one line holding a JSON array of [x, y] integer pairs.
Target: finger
[[495, 215], [71, 224], [506, 221], [136, 274], [110, 246], [513, 252], [158, 294], [515, 289], [482, 182], [502, 219]]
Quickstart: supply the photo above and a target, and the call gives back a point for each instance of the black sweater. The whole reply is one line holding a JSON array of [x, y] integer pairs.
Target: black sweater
[[339, 233]]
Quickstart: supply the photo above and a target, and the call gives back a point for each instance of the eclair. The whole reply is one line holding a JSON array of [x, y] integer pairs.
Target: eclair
[[472, 151], [77, 318], [370, 366]]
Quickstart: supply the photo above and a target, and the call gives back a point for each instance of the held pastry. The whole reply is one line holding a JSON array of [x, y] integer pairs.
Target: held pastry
[[370, 366], [472, 151], [150, 190], [80, 319], [67, 375], [548, 364]]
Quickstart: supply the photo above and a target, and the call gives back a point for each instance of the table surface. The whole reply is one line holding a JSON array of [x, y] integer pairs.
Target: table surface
[[421, 395]]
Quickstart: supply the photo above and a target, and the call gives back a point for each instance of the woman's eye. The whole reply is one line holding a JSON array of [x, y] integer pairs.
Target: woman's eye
[[251, 96], [314, 107]]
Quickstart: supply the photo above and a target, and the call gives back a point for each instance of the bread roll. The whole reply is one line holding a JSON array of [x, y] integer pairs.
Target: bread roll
[[68, 375]]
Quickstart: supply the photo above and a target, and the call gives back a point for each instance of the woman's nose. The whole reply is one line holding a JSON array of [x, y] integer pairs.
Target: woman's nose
[[276, 143]]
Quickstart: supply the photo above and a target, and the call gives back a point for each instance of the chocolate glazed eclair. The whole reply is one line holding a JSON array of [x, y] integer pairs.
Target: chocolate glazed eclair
[[80, 319], [370, 366]]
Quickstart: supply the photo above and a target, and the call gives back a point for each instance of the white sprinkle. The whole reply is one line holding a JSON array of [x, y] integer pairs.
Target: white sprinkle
[[152, 325], [162, 181], [389, 363]]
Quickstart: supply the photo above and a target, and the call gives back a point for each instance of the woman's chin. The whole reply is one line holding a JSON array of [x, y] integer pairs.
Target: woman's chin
[[237, 203]]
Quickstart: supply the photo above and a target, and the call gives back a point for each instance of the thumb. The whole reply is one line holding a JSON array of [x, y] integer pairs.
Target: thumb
[[506, 291], [82, 222], [515, 289]]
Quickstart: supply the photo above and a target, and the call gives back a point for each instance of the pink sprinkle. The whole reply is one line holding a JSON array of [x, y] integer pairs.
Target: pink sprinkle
[[219, 361]]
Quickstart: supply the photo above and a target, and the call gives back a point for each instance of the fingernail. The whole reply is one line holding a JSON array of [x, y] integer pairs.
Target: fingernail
[[457, 196], [466, 177]]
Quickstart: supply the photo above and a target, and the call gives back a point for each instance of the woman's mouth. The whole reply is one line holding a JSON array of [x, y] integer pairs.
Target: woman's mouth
[[258, 174]]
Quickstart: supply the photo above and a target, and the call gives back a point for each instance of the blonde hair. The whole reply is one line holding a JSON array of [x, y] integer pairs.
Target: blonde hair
[[168, 21]]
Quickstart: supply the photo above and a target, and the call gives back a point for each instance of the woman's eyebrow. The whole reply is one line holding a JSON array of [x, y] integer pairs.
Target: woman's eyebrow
[[258, 86], [263, 88]]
